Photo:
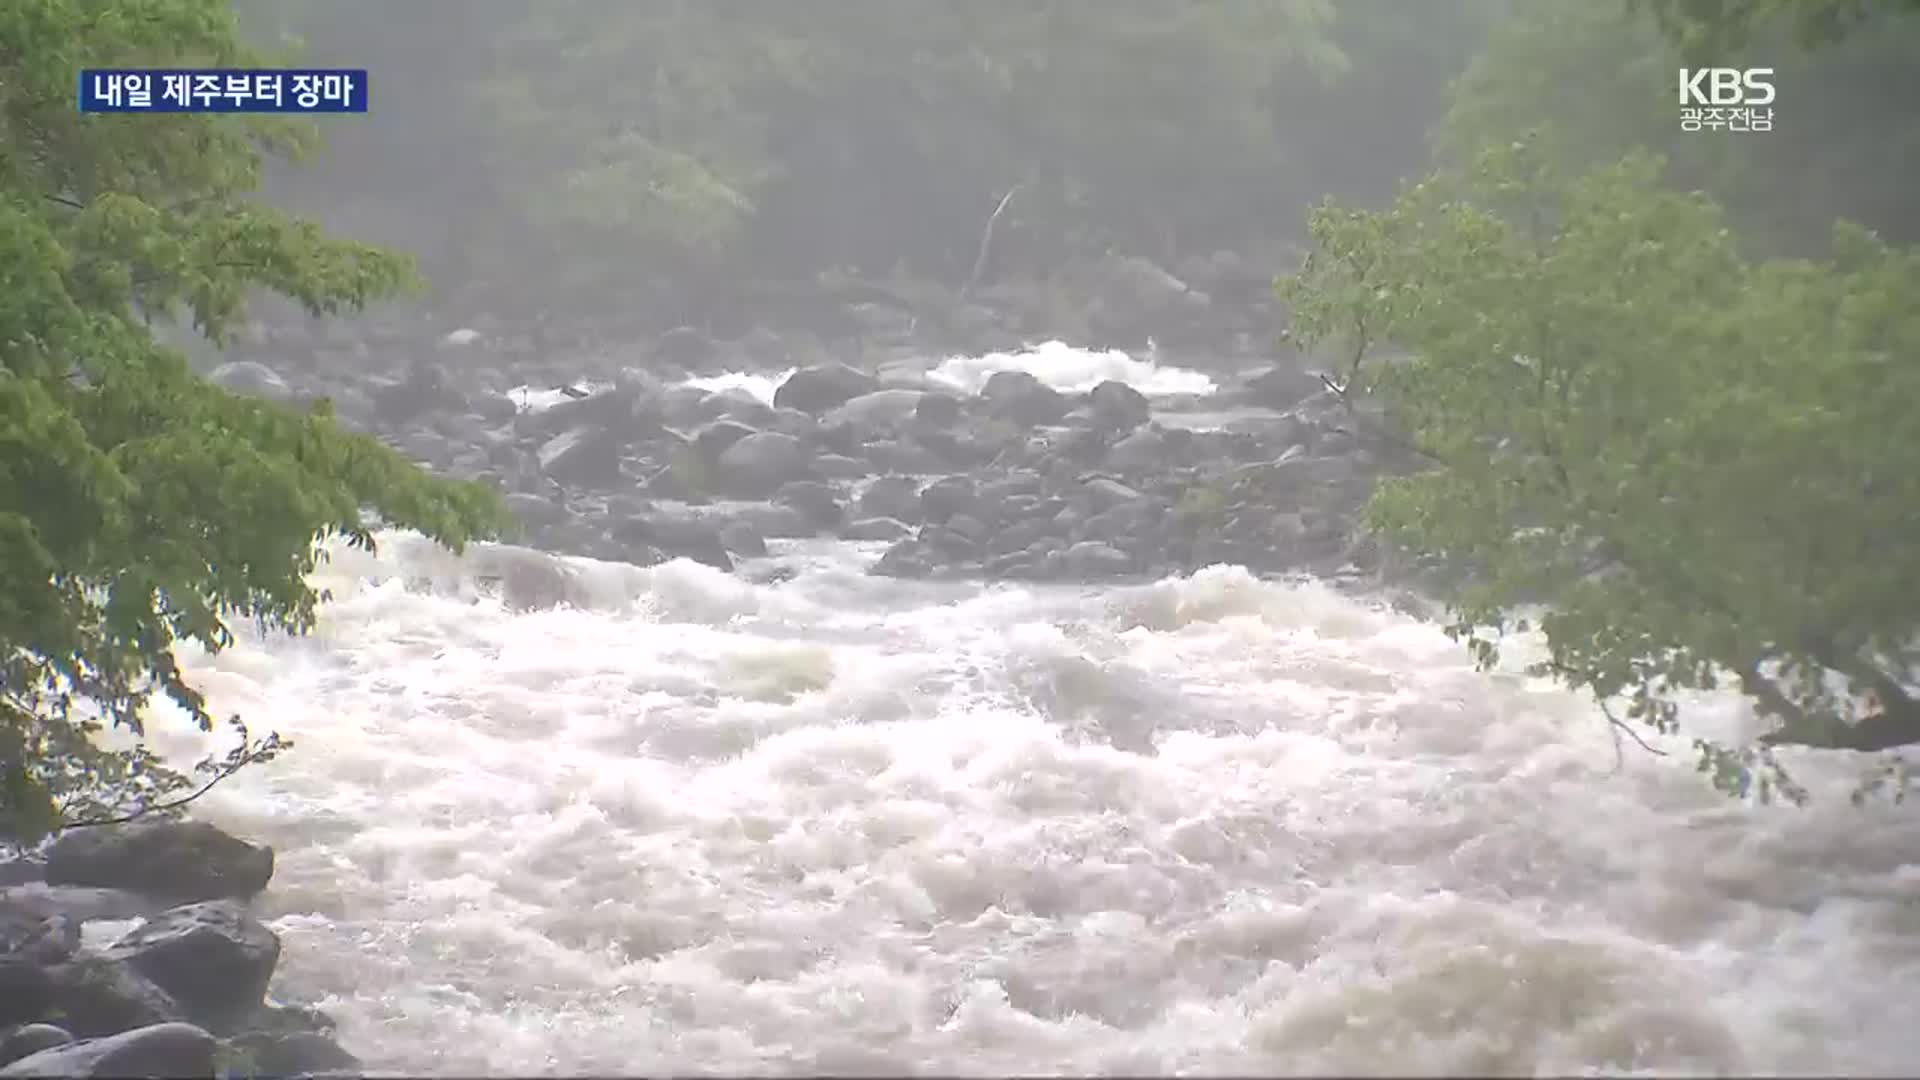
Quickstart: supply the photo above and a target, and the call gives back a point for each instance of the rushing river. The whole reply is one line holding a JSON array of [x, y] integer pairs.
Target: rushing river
[[826, 822]]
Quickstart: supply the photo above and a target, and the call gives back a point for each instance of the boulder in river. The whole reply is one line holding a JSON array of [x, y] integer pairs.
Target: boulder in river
[[1019, 397], [815, 390], [757, 465], [1118, 407], [31, 1039], [893, 496], [584, 457], [176, 860], [212, 957], [155, 1050]]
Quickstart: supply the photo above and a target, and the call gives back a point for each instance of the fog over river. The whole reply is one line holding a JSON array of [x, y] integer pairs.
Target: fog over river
[[802, 818]]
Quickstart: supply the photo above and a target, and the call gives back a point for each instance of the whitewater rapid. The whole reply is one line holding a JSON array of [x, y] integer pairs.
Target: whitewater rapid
[[688, 822], [1069, 369]]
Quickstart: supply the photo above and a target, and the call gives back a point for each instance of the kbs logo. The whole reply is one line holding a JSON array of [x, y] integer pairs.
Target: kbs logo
[[1725, 86], [1731, 97]]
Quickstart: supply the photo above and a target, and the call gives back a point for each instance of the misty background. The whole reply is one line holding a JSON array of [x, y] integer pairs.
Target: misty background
[[728, 164]]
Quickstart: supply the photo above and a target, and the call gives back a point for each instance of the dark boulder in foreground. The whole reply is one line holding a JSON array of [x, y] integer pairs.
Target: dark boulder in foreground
[[182, 994], [157, 1050], [211, 957], [93, 995], [29, 1039], [176, 860]]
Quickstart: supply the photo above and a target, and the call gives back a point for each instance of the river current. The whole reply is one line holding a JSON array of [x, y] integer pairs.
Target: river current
[[817, 821]]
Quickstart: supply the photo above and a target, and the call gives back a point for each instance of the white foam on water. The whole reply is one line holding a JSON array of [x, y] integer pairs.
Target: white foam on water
[[844, 824], [1071, 369], [759, 385], [531, 399]]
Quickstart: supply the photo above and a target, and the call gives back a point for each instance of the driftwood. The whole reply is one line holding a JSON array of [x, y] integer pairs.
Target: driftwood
[[986, 245]]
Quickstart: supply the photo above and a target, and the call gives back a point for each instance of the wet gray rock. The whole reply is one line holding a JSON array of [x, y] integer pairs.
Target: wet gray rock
[[22, 870], [676, 537], [92, 995], [1140, 451], [1103, 492], [31, 1039], [1282, 386], [1122, 523], [535, 511], [26, 990], [907, 559], [903, 455], [743, 539], [956, 451], [840, 467], [891, 496], [585, 457], [1091, 560], [525, 580], [837, 438], [713, 439], [814, 500], [297, 1053], [952, 544], [35, 935], [879, 409], [814, 390], [740, 406], [157, 1050], [212, 957], [775, 521], [1021, 535], [876, 528], [1019, 397], [757, 465], [793, 422], [974, 531], [492, 409], [936, 411], [1014, 484], [948, 496], [1115, 406], [682, 406], [174, 860]]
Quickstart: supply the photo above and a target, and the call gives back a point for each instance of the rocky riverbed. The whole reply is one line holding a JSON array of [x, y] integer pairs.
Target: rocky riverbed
[[1041, 463], [132, 951]]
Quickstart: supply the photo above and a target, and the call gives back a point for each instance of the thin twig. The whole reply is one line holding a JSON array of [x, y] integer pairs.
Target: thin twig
[[245, 759], [1618, 725]]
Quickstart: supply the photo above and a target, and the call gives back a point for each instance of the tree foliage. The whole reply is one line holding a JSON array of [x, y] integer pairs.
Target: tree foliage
[[1704, 29], [1601, 79], [674, 148], [1703, 468], [141, 506]]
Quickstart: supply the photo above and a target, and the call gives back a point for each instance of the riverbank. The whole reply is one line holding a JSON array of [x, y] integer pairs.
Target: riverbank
[[134, 951]]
